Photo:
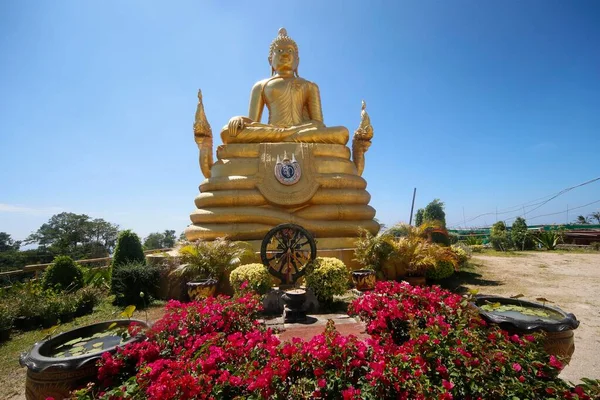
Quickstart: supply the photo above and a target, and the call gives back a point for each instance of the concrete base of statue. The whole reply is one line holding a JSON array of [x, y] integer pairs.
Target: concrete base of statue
[[255, 187]]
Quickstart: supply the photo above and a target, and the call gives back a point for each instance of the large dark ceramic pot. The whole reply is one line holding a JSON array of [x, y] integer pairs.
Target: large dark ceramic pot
[[202, 288], [522, 317], [415, 280], [363, 279], [60, 364]]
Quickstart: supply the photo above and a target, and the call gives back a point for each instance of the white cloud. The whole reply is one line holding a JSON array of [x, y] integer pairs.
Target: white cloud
[[18, 209]]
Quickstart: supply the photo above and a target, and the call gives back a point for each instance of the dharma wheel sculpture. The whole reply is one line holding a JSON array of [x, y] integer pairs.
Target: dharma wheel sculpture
[[286, 250]]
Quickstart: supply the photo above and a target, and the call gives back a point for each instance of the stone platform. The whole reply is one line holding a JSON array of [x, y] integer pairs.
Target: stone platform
[[315, 325]]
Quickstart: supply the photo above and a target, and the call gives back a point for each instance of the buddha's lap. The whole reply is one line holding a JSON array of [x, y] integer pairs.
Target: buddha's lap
[[308, 133]]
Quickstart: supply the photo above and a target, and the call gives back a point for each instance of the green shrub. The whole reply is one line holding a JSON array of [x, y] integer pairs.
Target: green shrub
[[499, 237], [51, 309], [520, 236], [131, 279], [462, 253], [68, 305], [128, 249], [327, 276], [7, 317], [473, 240], [97, 277], [595, 246], [63, 274], [442, 270], [29, 300], [477, 248], [88, 298], [256, 276]]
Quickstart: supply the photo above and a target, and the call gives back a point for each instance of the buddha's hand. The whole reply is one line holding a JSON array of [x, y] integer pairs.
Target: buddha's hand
[[237, 124]]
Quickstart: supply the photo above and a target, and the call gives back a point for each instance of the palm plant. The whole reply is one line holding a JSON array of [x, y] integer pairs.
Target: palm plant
[[416, 256], [549, 239], [424, 231], [373, 250], [210, 259], [473, 240]]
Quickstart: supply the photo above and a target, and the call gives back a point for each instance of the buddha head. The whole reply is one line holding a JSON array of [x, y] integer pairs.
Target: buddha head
[[283, 53]]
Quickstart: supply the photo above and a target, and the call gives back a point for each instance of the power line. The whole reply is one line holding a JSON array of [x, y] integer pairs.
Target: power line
[[562, 212], [550, 214], [539, 204]]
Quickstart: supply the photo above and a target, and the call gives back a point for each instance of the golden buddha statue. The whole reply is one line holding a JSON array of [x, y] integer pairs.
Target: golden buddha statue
[[293, 169], [294, 104]]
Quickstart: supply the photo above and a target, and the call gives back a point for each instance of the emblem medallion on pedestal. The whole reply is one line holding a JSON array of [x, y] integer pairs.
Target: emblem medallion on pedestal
[[287, 172], [287, 182]]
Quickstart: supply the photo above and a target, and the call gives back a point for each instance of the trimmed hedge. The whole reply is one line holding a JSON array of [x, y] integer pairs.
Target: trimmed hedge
[[327, 276], [255, 275], [129, 249], [63, 274]]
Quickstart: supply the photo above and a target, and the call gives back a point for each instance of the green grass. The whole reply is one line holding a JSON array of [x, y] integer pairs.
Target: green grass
[[511, 253], [12, 376], [496, 253], [573, 250]]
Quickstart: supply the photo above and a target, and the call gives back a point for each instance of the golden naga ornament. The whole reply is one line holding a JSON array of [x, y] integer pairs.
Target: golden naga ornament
[[203, 138], [291, 169]]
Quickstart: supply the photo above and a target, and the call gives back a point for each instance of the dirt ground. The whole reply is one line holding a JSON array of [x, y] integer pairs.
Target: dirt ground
[[570, 280]]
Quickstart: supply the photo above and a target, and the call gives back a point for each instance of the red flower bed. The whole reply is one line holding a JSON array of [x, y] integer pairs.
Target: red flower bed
[[427, 344]]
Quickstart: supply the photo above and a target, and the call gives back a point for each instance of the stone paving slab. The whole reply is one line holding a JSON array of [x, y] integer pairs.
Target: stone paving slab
[[315, 325]]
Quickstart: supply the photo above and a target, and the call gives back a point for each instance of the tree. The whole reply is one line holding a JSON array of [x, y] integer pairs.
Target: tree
[[182, 237], [153, 241], [9, 253], [7, 243], [75, 235], [499, 237], [169, 238], [104, 234], [157, 240], [595, 215], [128, 249], [419, 217], [520, 235], [581, 220], [435, 212]]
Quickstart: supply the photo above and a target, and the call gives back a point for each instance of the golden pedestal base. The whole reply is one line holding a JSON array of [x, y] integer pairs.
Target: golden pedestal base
[[244, 197]]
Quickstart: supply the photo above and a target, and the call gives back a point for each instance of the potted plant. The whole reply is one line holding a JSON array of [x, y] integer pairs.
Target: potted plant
[[417, 256], [414, 253], [87, 298], [373, 251], [205, 263]]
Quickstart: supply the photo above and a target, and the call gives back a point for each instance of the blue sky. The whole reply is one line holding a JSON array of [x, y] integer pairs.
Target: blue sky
[[482, 104]]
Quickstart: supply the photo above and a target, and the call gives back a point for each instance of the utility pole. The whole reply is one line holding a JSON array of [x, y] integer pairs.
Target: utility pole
[[413, 206]]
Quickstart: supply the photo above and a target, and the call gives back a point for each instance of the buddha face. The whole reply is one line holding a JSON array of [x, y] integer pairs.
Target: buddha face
[[284, 58]]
